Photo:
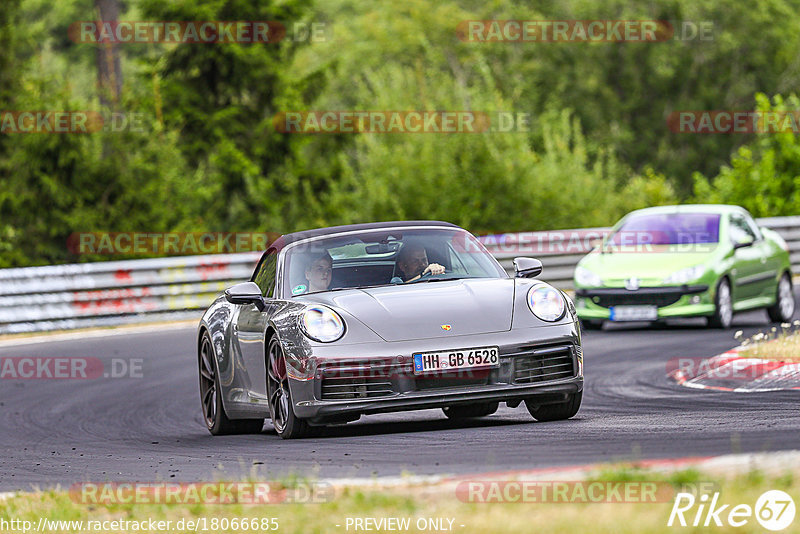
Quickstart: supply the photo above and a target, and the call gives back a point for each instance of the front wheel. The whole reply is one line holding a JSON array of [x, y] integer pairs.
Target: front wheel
[[723, 306], [470, 410], [783, 310], [285, 422], [214, 415], [555, 412]]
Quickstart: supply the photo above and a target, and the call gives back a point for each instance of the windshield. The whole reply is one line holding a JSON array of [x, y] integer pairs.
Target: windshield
[[385, 257], [667, 229]]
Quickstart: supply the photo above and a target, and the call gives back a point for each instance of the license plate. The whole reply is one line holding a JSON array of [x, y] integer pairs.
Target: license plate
[[634, 313], [447, 360]]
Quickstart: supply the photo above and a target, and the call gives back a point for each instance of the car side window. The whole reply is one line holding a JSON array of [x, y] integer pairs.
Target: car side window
[[265, 275], [740, 231], [456, 264], [753, 226]]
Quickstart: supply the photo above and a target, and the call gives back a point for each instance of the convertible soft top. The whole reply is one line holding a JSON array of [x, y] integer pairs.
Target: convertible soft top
[[306, 234]]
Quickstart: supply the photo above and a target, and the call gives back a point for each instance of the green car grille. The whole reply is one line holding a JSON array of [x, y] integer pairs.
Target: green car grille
[[655, 296]]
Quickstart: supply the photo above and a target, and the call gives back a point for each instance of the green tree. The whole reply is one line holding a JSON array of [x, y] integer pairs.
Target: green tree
[[764, 175], [10, 71], [221, 97]]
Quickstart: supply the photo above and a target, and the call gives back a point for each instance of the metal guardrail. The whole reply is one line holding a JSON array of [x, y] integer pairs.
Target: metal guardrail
[[62, 297]]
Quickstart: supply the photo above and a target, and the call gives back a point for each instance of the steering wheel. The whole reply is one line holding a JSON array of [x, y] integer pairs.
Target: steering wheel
[[428, 274]]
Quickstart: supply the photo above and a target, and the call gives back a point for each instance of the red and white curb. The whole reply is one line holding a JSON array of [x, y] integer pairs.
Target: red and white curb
[[730, 372]]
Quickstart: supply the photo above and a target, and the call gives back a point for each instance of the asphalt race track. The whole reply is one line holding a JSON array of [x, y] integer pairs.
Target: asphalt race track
[[149, 429]]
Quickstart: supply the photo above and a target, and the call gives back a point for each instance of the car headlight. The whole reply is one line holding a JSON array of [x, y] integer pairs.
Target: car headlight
[[322, 324], [685, 275], [585, 277], [546, 303]]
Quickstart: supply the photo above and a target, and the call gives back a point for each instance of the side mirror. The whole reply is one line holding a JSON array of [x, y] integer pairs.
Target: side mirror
[[743, 244], [527, 267], [245, 293]]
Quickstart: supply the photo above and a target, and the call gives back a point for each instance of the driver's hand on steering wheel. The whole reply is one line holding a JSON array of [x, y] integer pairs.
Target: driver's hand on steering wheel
[[434, 269]]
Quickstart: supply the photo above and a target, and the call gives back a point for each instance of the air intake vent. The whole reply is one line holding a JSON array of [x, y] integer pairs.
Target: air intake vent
[[359, 379], [543, 364]]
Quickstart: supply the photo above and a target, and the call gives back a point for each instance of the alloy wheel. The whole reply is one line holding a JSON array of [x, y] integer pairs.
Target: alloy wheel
[[277, 386], [208, 384], [785, 298], [724, 304]]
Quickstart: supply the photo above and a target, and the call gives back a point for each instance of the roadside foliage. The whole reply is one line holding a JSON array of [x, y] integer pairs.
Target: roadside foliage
[[189, 143]]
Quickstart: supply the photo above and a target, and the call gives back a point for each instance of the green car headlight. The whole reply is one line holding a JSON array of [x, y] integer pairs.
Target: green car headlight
[[686, 275], [585, 277]]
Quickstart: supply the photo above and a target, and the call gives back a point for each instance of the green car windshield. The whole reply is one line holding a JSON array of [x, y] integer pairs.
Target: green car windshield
[[667, 229]]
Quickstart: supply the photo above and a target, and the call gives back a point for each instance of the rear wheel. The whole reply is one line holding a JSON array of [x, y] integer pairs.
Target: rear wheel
[[555, 412], [214, 415], [470, 410], [783, 310], [285, 422], [723, 306]]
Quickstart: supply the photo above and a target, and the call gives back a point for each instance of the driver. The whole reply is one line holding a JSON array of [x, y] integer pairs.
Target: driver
[[412, 262]]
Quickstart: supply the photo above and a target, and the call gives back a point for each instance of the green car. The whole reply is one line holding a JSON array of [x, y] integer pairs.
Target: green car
[[685, 261]]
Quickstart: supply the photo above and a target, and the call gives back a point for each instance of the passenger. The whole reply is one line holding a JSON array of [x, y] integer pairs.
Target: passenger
[[319, 272], [412, 262]]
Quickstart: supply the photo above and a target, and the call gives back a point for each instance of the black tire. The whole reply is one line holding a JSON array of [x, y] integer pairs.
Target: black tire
[[592, 324], [217, 421], [284, 420], [783, 310], [555, 412], [723, 306], [468, 411]]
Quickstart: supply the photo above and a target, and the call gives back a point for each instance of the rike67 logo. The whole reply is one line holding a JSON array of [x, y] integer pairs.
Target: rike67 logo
[[774, 510]]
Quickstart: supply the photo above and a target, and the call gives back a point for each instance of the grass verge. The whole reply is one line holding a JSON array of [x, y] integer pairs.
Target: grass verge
[[434, 502], [781, 345]]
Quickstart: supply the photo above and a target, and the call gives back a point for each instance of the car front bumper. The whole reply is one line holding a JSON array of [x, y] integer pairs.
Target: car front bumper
[[542, 363], [670, 301]]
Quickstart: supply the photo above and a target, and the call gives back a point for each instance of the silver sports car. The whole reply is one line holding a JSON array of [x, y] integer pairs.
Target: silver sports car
[[340, 322]]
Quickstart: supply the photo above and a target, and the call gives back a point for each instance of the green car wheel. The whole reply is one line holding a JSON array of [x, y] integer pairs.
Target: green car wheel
[[723, 312], [783, 310]]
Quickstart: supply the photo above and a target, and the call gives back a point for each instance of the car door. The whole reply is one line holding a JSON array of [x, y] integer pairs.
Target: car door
[[250, 325], [749, 261], [769, 261]]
